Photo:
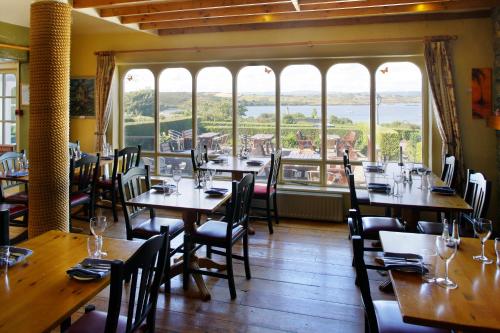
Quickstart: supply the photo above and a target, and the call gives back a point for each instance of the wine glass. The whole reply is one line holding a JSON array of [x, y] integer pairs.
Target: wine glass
[[177, 176], [211, 174], [497, 249], [398, 179], [421, 172], [97, 226], [446, 249], [482, 228]]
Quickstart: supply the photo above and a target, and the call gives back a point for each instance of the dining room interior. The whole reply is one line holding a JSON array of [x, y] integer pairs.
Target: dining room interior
[[249, 166]]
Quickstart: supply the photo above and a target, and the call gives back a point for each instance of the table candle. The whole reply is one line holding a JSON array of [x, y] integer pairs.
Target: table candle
[[400, 154]]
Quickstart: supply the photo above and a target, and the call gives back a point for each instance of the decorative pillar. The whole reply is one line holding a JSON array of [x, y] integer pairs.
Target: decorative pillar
[[50, 36]]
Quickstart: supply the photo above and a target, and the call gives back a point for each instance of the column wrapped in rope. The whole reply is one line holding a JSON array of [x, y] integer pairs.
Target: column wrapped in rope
[[50, 36]]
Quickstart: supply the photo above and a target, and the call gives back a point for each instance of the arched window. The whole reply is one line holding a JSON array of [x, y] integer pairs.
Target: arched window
[[257, 110], [214, 105], [399, 111]]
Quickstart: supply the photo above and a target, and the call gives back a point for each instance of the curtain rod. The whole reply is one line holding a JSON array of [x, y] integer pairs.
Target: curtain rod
[[15, 47], [301, 43]]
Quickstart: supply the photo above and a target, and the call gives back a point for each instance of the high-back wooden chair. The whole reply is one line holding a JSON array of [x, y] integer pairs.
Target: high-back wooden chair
[[448, 173], [10, 235], [72, 147], [145, 269], [8, 163], [123, 160]]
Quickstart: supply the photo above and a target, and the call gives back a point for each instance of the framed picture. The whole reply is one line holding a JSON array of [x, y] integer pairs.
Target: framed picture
[[481, 85], [81, 97]]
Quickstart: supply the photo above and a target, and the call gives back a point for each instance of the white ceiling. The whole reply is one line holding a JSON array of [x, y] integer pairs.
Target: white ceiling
[[18, 12]]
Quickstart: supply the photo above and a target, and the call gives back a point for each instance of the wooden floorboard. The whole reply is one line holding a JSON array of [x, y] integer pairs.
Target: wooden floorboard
[[302, 281]]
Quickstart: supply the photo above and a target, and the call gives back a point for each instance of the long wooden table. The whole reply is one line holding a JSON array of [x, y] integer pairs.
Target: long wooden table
[[191, 202], [473, 306], [237, 166], [37, 295], [413, 199]]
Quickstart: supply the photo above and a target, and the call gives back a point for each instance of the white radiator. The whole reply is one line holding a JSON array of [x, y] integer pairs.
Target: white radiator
[[312, 206]]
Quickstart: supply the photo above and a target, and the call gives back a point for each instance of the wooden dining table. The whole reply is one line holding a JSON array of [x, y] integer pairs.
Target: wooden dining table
[[37, 295], [191, 202], [413, 199], [237, 166], [474, 306]]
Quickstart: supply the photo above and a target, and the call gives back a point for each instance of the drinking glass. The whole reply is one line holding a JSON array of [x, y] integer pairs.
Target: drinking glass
[[482, 228], [446, 249], [398, 179], [497, 249], [165, 186], [177, 176], [93, 247], [211, 174], [4, 259], [429, 261], [97, 226]]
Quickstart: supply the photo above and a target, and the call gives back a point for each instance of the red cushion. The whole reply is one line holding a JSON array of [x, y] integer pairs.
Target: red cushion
[[152, 227], [95, 321], [373, 224], [215, 231], [389, 320], [19, 197], [105, 182], [77, 199], [14, 210], [260, 191]]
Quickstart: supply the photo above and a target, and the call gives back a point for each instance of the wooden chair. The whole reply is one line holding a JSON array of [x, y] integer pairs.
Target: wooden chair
[[72, 147], [10, 235], [267, 192], [381, 316], [145, 269], [16, 211], [83, 174], [123, 160], [8, 162], [224, 234], [131, 184], [477, 195], [304, 142], [362, 195], [448, 169]]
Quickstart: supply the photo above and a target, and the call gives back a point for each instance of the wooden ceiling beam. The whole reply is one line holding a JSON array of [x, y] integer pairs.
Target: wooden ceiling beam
[[330, 22], [325, 14], [101, 3], [258, 10], [181, 5]]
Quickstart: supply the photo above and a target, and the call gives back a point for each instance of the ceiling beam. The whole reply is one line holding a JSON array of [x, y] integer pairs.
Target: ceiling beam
[[101, 3], [256, 10], [295, 4], [330, 22], [182, 5], [324, 14]]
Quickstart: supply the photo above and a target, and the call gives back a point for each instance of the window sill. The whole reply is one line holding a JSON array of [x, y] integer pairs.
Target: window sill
[[312, 189]]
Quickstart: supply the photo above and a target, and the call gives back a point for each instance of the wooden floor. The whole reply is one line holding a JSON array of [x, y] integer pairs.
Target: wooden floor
[[302, 281]]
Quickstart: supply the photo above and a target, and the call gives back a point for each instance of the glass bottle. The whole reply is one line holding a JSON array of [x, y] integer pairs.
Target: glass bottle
[[446, 231], [455, 235]]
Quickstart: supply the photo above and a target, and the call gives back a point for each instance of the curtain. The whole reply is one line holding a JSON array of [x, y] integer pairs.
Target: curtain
[[439, 69], [103, 106]]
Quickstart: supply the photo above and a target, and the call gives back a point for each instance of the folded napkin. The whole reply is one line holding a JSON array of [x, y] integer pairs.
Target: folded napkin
[[17, 173], [216, 191], [90, 269], [379, 187], [407, 262], [159, 188], [255, 163], [406, 256], [374, 168], [442, 190], [407, 267], [217, 160], [18, 254]]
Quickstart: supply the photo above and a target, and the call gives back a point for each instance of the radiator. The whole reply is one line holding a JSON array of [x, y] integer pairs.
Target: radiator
[[311, 206]]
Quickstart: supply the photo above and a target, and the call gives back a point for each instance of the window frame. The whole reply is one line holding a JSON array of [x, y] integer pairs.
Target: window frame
[[6, 69]]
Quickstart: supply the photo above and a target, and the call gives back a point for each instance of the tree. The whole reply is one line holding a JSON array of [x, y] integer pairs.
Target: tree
[[139, 103]]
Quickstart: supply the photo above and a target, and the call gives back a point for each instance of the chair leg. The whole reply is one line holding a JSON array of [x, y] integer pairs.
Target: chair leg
[[246, 257], [209, 252], [275, 209], [230, 274], [113, 204], [167, 273], [268, 211], [185, 272]]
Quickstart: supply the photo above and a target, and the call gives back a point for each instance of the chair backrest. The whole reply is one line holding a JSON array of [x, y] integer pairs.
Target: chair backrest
[[477, 193], [352, 187], [448, 169], [131, 184], [4, 227], [8, 162], [241, 198], [363, 282], [145, 269], [83, 173], [72, 147], [272, 181], [346, 157], [125, 159]]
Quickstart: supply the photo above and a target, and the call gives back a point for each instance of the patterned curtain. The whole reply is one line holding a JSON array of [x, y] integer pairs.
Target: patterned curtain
[[439, 69], [103, 106]]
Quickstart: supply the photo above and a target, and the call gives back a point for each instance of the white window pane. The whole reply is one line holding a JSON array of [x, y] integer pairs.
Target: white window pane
[[10, 109], [10, 85], [348, 110], [257, 110], [301, 112], [176, 130], [10, 133], [301, 173], [167, 164], [139, 108], [399, 111]]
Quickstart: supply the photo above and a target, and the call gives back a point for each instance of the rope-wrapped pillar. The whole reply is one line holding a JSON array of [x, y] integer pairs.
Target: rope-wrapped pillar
[[50, 36]]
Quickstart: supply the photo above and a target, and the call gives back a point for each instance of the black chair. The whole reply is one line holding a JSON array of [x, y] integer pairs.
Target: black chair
[[448, 173], [16, 211], [367, 227], [145, 269], [267, 192], [362, 195], [18, 234], [224, 234], [123, 160], [73, 146], [83, 174], [477, 195], [131, 184], [380, 316], [7, 163]]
